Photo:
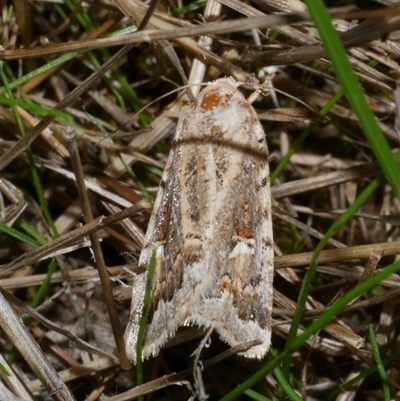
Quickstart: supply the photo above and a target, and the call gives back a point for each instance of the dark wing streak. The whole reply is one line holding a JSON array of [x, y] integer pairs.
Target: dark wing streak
[[164, 230]]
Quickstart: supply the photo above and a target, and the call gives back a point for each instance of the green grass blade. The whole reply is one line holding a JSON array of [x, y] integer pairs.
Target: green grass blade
[[12, 232], [196, 5], [379, 364], [285, 386], [373, 369], [346, 76], [256, 396], [143, 320]]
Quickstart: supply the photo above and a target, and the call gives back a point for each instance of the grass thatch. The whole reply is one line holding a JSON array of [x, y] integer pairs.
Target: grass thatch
[[89, 104]]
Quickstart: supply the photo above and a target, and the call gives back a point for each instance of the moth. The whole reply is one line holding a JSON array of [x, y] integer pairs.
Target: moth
[[211, 229]]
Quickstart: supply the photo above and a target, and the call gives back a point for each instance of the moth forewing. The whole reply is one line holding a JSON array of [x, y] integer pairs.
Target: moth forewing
[[212, 229]]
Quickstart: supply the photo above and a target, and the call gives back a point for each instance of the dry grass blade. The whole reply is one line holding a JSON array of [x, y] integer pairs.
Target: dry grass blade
[[123, 105], [65, 241], [26, 345]]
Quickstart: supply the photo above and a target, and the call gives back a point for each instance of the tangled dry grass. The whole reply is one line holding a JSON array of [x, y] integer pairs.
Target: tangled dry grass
[[89, 104]]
